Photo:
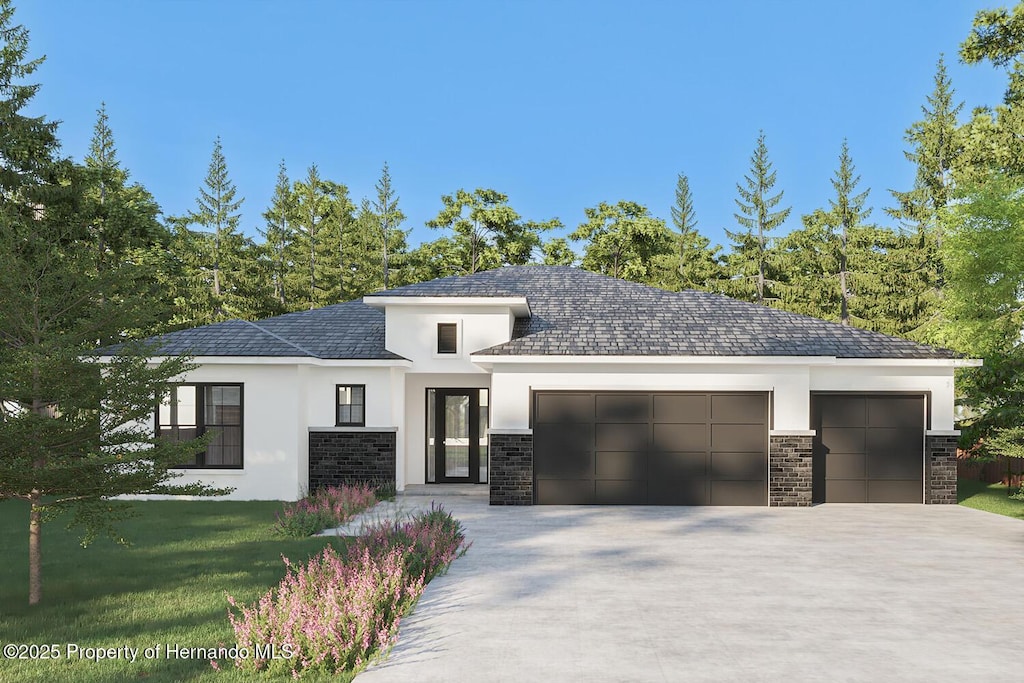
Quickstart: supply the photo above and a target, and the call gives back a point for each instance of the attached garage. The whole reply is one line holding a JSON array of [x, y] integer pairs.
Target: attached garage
[[650, 448], [868, 448]]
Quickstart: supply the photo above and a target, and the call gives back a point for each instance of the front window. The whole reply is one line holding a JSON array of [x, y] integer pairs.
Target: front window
[[351, 405], [192, 410]]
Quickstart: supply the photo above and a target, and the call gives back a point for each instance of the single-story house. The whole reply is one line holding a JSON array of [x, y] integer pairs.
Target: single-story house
[[554, 385]]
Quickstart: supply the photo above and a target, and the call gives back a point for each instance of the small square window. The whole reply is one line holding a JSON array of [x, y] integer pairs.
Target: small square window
[[351, 405], [447, 338]]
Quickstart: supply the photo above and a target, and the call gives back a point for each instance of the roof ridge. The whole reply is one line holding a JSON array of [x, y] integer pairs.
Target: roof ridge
[[280, 338]]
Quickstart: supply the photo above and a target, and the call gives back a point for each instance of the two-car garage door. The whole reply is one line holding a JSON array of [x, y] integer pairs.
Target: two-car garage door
[[651, 448], [661, 448]]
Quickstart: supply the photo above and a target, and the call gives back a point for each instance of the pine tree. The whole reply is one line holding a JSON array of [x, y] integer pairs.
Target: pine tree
[[749, 267], [58, 450], [848, 215], [278, 234], [693, 264], [389, 218], [317, 253]]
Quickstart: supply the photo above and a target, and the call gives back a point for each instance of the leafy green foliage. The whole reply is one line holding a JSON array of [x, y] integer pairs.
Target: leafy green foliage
[[622, 240]]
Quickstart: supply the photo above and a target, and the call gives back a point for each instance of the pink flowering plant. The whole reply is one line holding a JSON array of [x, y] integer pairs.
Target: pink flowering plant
[[341, 610], [324, 508]]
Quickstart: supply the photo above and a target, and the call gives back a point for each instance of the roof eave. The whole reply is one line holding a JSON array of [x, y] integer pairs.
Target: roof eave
[[519, 306], [487, 360]]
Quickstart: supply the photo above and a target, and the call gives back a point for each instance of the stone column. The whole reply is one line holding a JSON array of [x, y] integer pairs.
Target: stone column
[[511, 470], [790, 477], [940, 470]]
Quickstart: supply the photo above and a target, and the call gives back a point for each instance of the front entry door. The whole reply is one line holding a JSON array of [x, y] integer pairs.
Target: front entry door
[[459, 435]]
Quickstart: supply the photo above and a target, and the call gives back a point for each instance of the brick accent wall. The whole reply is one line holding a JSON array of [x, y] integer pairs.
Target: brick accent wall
[[347, 457], [511, 477], [940, 473], [790, 479]]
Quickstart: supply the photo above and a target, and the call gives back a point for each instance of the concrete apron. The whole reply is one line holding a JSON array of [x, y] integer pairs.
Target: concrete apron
[[834, 592]]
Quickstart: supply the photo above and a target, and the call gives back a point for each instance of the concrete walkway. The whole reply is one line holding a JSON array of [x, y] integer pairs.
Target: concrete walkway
[[831, 593]]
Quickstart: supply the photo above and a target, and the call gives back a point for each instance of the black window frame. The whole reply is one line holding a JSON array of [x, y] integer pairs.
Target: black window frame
[[441, 348], [338, 404], [201, 426]]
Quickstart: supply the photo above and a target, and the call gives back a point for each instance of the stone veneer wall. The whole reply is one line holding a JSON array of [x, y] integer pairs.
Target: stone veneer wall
[[511, 475], [351, 457], [790, 477], [940, 471]]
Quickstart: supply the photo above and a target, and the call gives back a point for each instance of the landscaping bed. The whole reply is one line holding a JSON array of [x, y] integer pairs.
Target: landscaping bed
[[166, 593]]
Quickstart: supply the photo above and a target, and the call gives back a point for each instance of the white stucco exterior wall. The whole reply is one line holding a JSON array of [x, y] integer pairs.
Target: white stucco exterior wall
[[411, 332]]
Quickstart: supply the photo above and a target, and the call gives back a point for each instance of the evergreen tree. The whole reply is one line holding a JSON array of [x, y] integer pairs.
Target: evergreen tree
[[222, 278], [389, 218], [848, 216], [58, 450], [623, 240], [278, 234], [693, 263], [750, 266]]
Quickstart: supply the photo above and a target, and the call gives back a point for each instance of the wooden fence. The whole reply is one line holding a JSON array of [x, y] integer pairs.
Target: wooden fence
[[990, 472]]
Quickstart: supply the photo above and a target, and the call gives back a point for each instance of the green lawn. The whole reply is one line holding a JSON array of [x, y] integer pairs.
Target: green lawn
[[988, 497], [167, 588]]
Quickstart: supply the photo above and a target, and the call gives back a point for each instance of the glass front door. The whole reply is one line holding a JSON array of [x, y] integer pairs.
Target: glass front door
[[457, 435]]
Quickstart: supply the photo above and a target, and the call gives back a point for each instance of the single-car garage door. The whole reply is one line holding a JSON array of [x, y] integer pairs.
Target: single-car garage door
[[868, 449], [609, 448]]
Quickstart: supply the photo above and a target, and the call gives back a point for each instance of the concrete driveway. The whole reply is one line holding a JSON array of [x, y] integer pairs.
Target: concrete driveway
[[831, 593]]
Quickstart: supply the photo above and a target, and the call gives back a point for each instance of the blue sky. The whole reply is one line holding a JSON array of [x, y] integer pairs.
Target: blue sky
[[558, 104]]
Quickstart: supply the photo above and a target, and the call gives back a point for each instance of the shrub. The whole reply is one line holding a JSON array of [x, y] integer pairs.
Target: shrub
[[324, 508], [340, 610]]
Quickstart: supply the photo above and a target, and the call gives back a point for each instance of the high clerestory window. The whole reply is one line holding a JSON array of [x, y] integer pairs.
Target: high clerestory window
[[447, 338]]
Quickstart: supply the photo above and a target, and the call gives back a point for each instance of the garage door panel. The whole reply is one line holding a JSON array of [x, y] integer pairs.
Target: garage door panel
[[737, 408], [845, 491], [844, 439], [565, 491], [563, 450], [738, 437], [651, 448], [623, 407], [903, 412], [845, 465], [622, 437], [907, 491], [621, 465], [895, 440], [680, 408], [738, 466], [678, 466], [563, 408], [680, 437], [894, 465], [738, 493], [620, 492], [843, 411], [682, 492]]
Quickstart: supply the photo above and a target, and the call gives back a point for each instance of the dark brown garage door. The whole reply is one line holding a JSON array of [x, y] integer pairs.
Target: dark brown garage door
[[868, 449], [609, 448]]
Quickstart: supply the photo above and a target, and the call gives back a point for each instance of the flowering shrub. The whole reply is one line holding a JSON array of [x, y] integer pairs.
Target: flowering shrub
[[340, 610], [325, 508]]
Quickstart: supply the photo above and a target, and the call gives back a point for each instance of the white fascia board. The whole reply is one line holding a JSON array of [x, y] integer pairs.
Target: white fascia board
[[286, 360], [518, 304], [486, 360]]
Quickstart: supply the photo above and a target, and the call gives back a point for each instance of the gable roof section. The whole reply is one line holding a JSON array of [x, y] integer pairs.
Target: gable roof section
[[579, 313], [349, 330]]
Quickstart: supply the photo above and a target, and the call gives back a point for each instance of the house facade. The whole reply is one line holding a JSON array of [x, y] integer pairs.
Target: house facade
[[552, 385]]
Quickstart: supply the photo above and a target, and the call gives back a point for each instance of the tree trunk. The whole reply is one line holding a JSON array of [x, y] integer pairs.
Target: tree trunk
[[35, 574]]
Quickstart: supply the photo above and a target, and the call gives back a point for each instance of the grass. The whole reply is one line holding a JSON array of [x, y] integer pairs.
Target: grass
[[167, 588], [988, 497]]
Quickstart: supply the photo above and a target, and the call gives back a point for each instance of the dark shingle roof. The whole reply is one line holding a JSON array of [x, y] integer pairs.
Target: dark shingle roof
[[573, 313], [579, 313], [350, 330]]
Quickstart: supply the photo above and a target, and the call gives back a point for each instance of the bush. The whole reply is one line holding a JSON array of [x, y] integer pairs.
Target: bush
[[339, 611], [324, 508]]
